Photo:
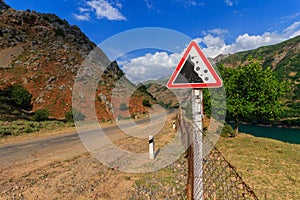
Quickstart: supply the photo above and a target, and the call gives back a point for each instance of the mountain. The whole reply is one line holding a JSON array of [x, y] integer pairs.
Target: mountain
[[283, 58], [43, 53]]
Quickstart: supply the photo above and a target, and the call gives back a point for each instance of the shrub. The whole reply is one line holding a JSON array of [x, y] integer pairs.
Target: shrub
[[41, 115], [142, 88], [146, 103], [227, 131], [20, 97], [59, 32], [123, 107], [4, 131], [28, 130], [69, 116], [74, 115]]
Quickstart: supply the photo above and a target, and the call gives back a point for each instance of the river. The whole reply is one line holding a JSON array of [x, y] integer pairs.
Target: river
[[289, 135]]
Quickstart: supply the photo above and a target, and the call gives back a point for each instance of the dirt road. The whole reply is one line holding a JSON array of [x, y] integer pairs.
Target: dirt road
[[60, 167]]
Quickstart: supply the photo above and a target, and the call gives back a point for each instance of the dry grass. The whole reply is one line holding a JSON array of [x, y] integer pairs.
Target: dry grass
[[270, 166], [140, 145]]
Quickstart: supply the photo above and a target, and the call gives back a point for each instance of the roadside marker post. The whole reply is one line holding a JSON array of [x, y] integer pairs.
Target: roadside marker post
[[195, 71], [174, 125], [151, 147]]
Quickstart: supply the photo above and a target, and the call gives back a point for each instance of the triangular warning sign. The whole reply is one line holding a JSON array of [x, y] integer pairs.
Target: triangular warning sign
[[194, 71]]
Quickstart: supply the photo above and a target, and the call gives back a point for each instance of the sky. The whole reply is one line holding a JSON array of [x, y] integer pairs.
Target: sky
[[219, 26]]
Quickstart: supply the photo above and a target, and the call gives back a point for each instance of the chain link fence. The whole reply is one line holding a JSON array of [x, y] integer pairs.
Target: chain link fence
[[220, 179]]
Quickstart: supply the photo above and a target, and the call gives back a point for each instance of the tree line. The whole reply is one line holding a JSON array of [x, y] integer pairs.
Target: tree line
[[253, 92]]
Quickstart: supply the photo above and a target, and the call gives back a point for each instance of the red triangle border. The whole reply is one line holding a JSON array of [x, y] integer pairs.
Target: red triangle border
[[171, 84]]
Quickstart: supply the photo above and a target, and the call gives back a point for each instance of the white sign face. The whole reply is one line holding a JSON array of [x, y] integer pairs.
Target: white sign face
[[200, 67]]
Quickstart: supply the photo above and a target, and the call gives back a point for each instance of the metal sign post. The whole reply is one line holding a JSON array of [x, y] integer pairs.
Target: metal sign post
[[195, 71], [197, 98]]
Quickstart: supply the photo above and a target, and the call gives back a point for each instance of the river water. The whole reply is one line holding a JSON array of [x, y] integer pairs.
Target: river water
[[289, 135]]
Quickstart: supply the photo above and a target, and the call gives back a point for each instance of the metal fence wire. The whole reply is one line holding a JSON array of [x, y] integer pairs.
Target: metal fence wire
[[220, 179]]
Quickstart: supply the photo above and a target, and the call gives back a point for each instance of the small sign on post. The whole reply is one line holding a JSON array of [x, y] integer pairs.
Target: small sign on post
[[151, 147], [195, 71]]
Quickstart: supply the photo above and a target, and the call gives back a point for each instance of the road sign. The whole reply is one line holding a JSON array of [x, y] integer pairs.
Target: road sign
[[194, 71]]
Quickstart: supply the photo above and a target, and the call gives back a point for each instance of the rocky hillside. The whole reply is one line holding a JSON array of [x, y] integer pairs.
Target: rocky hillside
[[162, 95], [43, 53]]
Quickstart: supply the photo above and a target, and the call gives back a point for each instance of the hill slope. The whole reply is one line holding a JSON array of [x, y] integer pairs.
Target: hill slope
[[284, 59], [43, 53]]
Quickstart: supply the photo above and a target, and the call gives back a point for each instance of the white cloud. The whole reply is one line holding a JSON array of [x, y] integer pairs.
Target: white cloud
[[84, 17], [215, 42], [161, 64], [119, 5], [293, 16], [82, 10], [101, 8], [104, 9], [149, 4], [218, 31], [297, 33], [292, 27], [150, 66], [229, 2], [216, 45], [188, 3]]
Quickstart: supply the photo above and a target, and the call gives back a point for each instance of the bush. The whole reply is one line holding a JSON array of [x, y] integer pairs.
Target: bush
[[41, 115], [227, 131], [20, 97], [74, 115], [59, 32], [123, 107], [146, 103]]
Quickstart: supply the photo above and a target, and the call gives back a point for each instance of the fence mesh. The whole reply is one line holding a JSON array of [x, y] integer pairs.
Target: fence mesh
[[220, 179]]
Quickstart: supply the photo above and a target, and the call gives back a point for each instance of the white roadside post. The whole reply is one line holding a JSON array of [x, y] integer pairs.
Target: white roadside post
[[151, 147], [174, 125], [198, 145]]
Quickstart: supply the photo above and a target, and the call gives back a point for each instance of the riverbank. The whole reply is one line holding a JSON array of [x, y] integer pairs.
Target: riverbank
[[290, 135], [270, 167], [290, 124]]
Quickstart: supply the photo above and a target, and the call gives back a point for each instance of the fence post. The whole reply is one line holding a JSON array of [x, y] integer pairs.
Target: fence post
[[197, 98]]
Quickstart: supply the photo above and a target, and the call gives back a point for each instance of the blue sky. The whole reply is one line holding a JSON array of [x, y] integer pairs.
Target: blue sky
[[219, 26]]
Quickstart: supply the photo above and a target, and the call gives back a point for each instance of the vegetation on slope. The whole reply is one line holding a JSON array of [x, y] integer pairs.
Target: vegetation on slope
[[283, 59]]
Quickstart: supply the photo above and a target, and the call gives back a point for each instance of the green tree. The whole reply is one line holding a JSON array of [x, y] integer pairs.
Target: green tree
[[41, 115], [146, 103], [20, 97], [252, 91], [74, 115]]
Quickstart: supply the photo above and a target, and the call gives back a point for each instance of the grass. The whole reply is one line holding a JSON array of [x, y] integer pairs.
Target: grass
[[20, 127], [164, 182], [270, 166]]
